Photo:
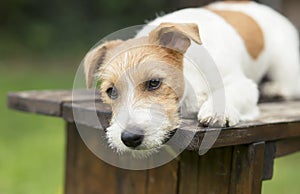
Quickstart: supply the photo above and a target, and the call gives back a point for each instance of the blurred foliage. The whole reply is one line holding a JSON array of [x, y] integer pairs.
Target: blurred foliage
[[58, 27], [32, 147]]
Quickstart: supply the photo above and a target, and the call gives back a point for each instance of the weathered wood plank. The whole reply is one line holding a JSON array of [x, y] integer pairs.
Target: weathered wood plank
[[257, 167], [34, 101], [47, 102], [131, 181], [86, 173], [271, 113], [164, 179], [250, 134], [247, 169], [275, 149], [214, 171], [270, 150], [188, 173], [287, 146], [87, 115], [265, 128], [277, 120], [71, 158]]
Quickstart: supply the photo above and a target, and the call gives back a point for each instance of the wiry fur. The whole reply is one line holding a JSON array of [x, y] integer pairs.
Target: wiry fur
[[154, 112], [128, 64]]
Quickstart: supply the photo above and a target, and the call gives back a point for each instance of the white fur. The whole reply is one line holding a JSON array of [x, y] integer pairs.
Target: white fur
[[239, 73], [151, 118]]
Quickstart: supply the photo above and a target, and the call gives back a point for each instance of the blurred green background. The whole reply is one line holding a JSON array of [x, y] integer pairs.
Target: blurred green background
[[41, 45]]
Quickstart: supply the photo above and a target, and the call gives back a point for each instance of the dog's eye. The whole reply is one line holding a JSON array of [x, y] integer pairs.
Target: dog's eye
[[153, 84], [112, 92]]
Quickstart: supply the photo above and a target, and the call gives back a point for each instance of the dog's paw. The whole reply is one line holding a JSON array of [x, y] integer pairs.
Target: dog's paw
[[208, 117]]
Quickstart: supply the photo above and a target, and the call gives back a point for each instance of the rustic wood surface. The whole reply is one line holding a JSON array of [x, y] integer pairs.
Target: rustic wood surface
[[270, 151], [237, 164], [247, 169], [214, 171], [47, 102], [280, 120], [188, 172], [287, 146], [44, 102], [85, 173], [228, 170]]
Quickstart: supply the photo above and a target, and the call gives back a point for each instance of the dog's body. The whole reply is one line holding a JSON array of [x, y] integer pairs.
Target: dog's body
[[242, 66], [246, 41]]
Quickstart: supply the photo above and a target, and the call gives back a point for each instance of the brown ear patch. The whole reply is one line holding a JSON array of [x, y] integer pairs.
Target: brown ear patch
[[95, 58], [176, 36], [247, 28]]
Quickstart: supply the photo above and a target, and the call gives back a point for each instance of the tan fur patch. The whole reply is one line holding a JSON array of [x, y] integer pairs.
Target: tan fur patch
[[247, 28], [95, 58], [129, 65], [143, 59]]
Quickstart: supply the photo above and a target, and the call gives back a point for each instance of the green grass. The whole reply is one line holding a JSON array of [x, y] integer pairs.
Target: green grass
[[286, 179], [32, 146]]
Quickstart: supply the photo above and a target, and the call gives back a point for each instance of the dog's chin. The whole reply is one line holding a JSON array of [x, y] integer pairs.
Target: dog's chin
[[139, 152], [144, 153], [144, 150]]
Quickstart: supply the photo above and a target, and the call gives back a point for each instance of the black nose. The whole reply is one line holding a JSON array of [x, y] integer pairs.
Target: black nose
[[132, 139]]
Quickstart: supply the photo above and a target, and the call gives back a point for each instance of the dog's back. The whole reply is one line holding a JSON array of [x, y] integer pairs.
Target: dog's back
[[278, 35], [244, 35]]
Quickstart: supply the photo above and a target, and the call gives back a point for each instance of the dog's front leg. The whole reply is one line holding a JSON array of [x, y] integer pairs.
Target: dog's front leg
[[240, 103]]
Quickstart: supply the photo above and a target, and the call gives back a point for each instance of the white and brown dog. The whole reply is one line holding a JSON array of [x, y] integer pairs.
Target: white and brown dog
[[246, 40]]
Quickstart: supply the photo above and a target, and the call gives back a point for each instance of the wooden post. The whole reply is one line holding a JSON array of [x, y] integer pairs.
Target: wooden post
[[227, 170], [247, 169], [85, 173]]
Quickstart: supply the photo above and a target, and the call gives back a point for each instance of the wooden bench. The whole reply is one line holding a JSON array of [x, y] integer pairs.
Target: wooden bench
[[241, 158]]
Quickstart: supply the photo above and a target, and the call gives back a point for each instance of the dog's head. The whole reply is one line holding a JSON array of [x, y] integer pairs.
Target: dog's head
[[142, 79]]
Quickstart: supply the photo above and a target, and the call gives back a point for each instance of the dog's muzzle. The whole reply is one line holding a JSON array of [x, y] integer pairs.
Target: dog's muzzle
[[132, 139]]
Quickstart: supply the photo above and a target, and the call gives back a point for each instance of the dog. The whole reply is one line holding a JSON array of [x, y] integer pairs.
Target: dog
[[144, 78]]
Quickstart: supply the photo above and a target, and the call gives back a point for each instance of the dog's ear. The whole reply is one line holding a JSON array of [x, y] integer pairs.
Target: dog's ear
[[176, 36], [95, 58]]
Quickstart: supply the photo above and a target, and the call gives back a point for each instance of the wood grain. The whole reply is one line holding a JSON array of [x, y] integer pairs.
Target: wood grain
[[188, 173], [239, 136], [240, 169], [163, 180], [280, 120], [247, 169], [214, 171], [46, 102], [86, 173], [270, 151], [287, 146]]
